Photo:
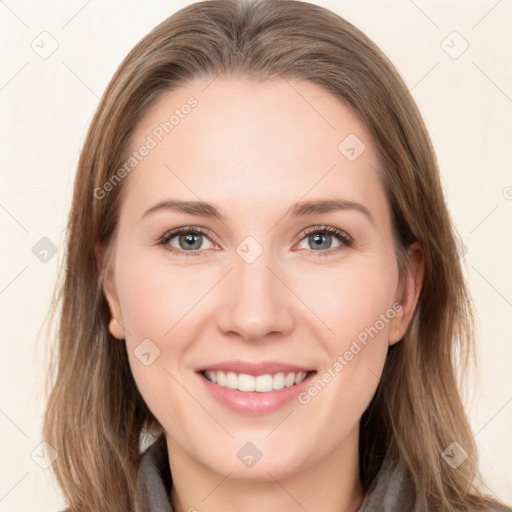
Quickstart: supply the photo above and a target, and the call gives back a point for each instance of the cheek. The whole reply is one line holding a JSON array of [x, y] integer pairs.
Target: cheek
[[350, 298], [355, 305], [358, 308], [156, 303], [155, 297]]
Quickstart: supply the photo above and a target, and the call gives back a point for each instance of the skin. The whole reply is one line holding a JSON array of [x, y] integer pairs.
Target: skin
[[253, 149]]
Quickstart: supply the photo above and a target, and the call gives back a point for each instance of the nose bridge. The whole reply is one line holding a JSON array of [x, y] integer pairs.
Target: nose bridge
[[255, 301]]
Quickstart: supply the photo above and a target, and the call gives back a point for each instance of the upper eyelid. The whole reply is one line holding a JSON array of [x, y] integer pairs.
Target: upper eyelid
[[328, 229], [171, 233]]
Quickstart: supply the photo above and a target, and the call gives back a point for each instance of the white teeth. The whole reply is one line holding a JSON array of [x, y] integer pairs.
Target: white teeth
[[231, 380], [261, 383], [289, 380], [221, 378], [278, 381], [245, 382], [299, 377]]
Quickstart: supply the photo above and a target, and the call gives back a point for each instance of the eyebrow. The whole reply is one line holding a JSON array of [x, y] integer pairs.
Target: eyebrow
[[299, 209]]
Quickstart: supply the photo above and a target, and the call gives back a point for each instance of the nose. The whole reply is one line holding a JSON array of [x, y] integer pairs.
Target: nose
[[255, 301]]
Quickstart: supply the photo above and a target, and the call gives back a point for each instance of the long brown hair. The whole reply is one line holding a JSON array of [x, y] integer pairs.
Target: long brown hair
[[95, 415]]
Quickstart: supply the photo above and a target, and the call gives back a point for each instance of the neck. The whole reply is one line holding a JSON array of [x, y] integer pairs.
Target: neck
[[330, 485]]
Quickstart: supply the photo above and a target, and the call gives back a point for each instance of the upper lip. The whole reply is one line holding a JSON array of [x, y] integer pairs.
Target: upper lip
[[253, 368]]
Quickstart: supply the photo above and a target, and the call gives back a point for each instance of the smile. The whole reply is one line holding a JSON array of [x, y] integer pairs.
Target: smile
[[261, 383]]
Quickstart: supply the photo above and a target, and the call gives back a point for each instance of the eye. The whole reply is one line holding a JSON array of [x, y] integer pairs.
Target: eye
[[189, 241], [192, 240], [321, 237]]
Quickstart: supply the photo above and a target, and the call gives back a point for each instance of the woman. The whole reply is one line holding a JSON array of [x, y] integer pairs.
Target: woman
[[262, 279]]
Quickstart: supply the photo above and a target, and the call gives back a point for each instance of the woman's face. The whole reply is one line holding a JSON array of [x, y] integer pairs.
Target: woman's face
[[296, 268]]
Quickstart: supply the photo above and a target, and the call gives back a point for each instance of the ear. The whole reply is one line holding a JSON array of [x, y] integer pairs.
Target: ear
[[104, 264], [408, 292]]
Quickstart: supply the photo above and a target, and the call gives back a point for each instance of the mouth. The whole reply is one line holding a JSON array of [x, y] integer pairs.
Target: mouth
[[247, 383], [254, 388]]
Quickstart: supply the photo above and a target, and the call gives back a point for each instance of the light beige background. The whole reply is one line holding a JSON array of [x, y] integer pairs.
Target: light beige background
[[47, 103]]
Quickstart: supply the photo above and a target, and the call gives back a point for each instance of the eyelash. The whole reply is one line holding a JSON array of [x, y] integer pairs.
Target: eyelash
[[346, 240]]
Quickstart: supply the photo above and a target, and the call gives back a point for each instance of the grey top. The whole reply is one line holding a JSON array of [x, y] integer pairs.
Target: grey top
[[392, 491]]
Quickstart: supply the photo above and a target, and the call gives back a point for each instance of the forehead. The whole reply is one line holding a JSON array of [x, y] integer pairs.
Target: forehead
[[252, 143]]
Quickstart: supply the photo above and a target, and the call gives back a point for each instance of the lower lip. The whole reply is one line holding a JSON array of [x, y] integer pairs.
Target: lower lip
[[255, 402]]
